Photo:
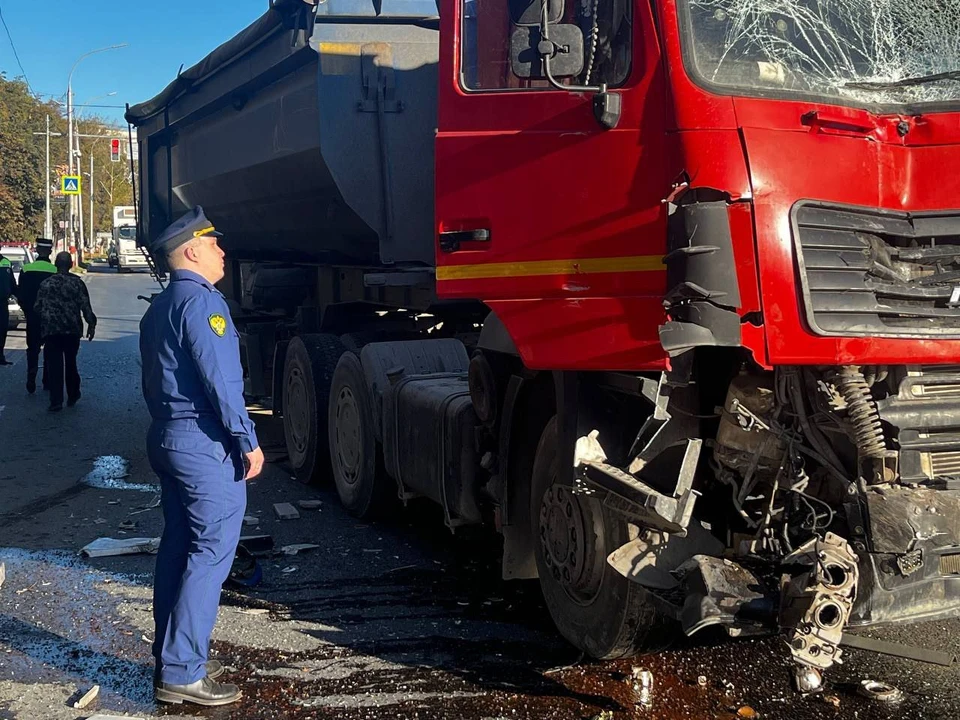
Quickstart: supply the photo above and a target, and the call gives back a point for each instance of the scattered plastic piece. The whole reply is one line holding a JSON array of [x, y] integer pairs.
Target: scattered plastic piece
[[88, 697], [294, 549], [106, 547], [286, 511], [310, 504]]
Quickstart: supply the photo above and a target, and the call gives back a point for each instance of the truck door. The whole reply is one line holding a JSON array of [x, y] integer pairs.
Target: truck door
[[552, 220]]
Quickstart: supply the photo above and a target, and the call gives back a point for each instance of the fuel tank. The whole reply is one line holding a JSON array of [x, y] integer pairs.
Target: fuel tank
[[307, 137]]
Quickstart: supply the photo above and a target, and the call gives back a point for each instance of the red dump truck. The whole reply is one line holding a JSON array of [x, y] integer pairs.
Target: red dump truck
[[668, 292]]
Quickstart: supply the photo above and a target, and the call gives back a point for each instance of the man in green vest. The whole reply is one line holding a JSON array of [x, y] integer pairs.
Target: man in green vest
[[30, 278], [8, 287]]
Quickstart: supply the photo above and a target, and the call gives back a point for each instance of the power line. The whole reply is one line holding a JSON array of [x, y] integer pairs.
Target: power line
[[15, 54]]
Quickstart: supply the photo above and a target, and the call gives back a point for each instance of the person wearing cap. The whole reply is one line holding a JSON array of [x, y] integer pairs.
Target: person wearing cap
[[203, 446], [63, 304], [31, 276], [8, 287]]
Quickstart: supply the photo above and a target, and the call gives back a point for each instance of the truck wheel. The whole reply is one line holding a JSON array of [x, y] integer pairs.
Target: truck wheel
[[592, 605], [358, 470], [307, 374]]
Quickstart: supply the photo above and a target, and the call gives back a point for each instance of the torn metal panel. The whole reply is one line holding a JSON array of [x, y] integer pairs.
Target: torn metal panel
[[905, 519], [630, 496], [721, 592], [652, 558]]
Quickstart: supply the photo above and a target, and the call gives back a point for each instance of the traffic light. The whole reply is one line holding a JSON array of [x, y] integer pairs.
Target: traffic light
[[115, 150]]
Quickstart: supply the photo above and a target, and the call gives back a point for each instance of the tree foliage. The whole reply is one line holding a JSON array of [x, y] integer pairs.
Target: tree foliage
[[23, 163]]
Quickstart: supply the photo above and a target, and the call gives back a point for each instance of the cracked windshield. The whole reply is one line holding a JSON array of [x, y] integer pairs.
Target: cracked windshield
[[858, 51]]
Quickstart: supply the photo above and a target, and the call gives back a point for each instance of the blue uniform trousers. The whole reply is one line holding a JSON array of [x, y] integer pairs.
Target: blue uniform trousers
[[204, 497]]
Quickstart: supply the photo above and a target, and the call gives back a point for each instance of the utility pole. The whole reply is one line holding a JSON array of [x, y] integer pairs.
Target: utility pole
[[48, 216], [91, 190]]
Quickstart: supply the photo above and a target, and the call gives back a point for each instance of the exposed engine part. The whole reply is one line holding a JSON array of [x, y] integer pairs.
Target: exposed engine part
[[815, 604], [631, 496], [744, 438], [807, 679], [862, 411]]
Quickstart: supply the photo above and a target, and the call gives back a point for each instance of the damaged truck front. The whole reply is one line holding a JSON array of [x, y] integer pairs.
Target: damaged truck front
[[685, 327]]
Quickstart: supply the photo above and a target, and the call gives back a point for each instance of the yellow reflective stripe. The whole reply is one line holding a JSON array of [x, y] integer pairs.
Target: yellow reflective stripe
[[583, 266]]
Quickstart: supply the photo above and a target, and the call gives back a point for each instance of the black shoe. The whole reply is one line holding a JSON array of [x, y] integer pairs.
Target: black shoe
[[55, 408], [31, 386], [214, 670], [203, 692], [4, 361], [73, 401]]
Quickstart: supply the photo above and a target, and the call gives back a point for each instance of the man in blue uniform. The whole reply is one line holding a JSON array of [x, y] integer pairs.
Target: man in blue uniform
[[202, 445]]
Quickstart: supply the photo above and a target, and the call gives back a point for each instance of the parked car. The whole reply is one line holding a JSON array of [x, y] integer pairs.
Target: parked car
[[15, 311]]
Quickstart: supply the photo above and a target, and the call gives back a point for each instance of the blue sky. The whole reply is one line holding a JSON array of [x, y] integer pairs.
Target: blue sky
[[49, 38]]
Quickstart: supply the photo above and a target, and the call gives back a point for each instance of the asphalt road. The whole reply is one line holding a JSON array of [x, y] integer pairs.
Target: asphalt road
[[393, 620]]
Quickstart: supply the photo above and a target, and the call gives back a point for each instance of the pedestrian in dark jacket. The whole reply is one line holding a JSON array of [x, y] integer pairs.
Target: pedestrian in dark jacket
[[8, 287], [61, 301]]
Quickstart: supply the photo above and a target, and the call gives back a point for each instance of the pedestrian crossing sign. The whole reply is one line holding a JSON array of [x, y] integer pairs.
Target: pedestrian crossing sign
[[70, 184]]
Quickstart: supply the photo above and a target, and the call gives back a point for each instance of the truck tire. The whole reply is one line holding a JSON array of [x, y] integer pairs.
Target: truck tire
[[593, 606], [307, 374], [357, 461]]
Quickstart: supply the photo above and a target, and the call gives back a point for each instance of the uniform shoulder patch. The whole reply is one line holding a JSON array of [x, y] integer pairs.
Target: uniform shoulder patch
[[218, 323]]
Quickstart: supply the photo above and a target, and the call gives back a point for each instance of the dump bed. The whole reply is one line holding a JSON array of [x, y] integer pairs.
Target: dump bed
[[307, 137]]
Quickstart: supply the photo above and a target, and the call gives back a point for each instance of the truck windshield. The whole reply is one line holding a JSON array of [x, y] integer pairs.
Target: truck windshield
[[127, 233], [857, 51]]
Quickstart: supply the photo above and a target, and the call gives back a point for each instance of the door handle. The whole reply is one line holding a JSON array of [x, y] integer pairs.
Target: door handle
[[450, 241]]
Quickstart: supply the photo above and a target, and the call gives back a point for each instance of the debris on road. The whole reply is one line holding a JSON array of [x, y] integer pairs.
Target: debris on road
[[257, 544], [286, 511], [702, 680], [251, 520], [100, 716], [128, 525], [88, 697], [832, 700], [107, 547], [3, 573], [294, 549], [747, 713], [110, 472], [603, 715], [289, 569], [152, 505], [310, 504], [642, 683], [880, 691]]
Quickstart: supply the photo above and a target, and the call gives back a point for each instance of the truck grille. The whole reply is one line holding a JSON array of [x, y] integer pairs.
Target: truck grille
[[866, 272], [926, 414]]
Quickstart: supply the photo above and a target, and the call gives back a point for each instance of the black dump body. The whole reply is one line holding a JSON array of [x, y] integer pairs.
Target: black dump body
[[308, 137]]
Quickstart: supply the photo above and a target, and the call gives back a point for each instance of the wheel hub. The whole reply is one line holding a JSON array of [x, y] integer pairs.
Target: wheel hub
[[568, 540], [349, 439], [296, 408]]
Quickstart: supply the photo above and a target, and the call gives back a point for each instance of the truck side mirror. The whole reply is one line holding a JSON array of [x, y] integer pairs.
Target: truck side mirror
[[564, 48]]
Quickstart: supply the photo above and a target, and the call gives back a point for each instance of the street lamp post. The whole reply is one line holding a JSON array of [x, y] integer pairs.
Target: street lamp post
[[70, 145]]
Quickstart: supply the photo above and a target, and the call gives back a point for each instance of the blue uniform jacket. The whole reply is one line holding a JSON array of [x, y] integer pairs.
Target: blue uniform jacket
[[191, 358]]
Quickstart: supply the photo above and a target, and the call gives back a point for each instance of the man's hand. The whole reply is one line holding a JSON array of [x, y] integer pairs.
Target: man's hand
[[91, 331], [254, 462]]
